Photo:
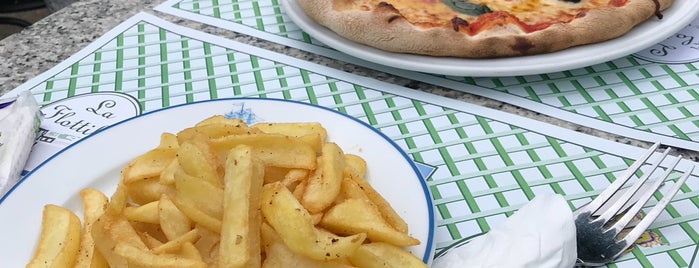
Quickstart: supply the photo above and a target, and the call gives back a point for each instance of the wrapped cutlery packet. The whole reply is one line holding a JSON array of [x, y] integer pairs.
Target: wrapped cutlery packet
[[541, 234], [20, 119]]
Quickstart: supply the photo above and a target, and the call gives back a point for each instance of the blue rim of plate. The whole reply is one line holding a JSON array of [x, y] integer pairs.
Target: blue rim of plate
[[423, 184]]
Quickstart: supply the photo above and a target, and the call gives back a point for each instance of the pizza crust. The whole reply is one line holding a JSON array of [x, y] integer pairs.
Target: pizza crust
[[385, 28]]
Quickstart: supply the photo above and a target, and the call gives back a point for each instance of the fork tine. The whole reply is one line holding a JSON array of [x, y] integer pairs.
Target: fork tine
[[596, 203], [645, 196], [631, 191], [649, 218]]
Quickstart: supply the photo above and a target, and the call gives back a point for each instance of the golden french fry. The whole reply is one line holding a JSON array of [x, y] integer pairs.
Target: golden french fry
[[173, 222], [97, 261], [354, 216], [293, 129], [294, 225], [152, 163], [220, 119], [148, 190], [312, 133], [196, 160], [94, 204], [118, 200], [200, 193], [208, 245], [147, 213], [148, 165], [300, 189], [268, 236], [149, 240], [324, 186], [167, 176], [355, 164], [151, 234], [177, 243], [273, 149], [379, 254], [240, 233], [315, 218], [196, 215], [391, 216], [350, 189], [279, 255], [294, 176], [168, 141], [59, 241], [111, 229], [189, 251], [214, 130], [139, 257], [313, 140]]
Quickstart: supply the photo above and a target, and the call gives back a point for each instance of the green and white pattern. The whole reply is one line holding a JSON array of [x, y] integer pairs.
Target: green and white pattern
[[488, 163], [629, 96]]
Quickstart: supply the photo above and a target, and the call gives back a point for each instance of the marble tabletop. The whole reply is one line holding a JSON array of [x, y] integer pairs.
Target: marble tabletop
[[56, 37]]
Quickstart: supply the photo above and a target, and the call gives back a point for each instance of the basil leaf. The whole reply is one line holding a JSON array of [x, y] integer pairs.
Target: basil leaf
[[466, 7]]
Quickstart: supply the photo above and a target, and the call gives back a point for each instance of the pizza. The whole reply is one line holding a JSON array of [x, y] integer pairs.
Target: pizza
[[481, 28]]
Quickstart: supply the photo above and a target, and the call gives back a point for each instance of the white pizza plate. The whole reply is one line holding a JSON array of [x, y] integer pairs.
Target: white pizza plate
[[644, 35], [97, 160]]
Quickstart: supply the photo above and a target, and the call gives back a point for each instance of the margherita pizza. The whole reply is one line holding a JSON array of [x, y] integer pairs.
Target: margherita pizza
[[480, 28]]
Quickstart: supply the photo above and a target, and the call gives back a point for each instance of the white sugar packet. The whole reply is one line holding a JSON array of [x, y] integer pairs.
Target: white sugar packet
[[20, 120], [541, 234]]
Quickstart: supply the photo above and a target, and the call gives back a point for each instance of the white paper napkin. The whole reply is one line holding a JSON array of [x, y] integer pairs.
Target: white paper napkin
[[541, 234], [19, 124]]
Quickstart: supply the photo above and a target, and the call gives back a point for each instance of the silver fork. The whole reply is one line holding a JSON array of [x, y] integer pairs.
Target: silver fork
[[598, 238]]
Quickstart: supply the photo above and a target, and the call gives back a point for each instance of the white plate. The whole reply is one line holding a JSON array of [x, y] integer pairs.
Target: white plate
[[646, 34], [96, 161]]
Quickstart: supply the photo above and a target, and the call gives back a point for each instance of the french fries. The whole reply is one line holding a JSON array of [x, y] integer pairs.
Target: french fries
[[59, 242], [353, 216], [295, 226], [225, 194], [240, 233], [322, 188], [379, 254], [94, 203]]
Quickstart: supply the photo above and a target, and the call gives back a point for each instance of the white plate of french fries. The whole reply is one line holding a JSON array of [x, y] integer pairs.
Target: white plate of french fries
[[239, 182]]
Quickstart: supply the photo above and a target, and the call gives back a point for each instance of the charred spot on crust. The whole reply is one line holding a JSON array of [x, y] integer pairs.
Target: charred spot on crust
[[456, 22], [388, 6], [522, 45], [392, 18], [385, 5], [581, 14], [657, 10]]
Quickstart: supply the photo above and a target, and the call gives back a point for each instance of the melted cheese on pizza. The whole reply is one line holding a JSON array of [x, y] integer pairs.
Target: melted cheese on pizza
[[533, 10], [532, 14]]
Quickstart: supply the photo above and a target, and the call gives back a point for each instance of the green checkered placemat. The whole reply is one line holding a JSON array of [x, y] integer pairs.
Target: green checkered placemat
[[628, 96], [487, 163], [653, 97]]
